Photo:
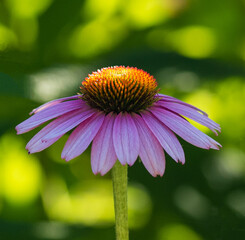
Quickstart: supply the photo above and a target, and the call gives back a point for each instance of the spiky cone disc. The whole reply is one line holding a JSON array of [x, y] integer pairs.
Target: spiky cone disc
[[119, 89]]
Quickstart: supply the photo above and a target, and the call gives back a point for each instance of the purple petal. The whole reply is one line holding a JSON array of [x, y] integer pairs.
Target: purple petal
[[126, 139], [56, 128], [40, 145], [165, 136], [36, 144], [184, 129], [166, 98], [52, 103], [190, 113], [68, 122], [151, 152], [82, 136], [48, 114], [103, 155]]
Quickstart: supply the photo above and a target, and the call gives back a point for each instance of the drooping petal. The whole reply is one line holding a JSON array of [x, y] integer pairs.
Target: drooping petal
[[167, 98], [52, 103], [103, 155], [165, 136], [40, 146], [56, 129], [36, 144], [126, 139], [190, 113], [68, 122], [184, 129], [48, 114], [82, 136], [151, 152]]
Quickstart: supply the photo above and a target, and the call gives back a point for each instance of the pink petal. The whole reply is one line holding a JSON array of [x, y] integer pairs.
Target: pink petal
[[49, 113], [165, 136], [190, 113], [184, 129], [69, 121], [36, 144], [151, 152], [39, 146], [82, 136], [52, 103], [103, 155], [126, 139], [57, 129], [166, 98]]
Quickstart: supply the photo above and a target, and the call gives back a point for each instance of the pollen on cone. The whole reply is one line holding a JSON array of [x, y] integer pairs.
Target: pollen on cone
[[119, 89]]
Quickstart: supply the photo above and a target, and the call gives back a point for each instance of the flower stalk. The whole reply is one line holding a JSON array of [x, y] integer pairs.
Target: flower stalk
[[120, 183]]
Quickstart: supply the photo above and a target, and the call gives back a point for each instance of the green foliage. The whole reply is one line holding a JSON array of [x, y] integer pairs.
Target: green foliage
[[195, 50]]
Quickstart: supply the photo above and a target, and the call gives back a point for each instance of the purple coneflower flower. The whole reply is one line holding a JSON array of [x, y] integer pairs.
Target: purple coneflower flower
[[122, 113]]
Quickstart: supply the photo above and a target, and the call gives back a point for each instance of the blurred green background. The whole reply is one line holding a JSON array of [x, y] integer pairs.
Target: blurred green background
[[196, 51]]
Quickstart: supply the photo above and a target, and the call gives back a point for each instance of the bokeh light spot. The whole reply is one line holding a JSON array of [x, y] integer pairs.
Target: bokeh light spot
[[97, 8], [193, 203], [177, 232], [148, 13], [193, 41], [20, 174], [91, 203], [231, 111], [55, 82], [236, 200], [225, 169], [27, 8], [139, 206], [51, 230], [7, 38], [208, 102], [95, 37]]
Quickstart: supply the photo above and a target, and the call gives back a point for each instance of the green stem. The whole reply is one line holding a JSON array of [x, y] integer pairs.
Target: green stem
[[120, 183]]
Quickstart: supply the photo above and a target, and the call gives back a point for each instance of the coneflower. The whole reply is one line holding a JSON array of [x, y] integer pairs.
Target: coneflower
[[121, 112]]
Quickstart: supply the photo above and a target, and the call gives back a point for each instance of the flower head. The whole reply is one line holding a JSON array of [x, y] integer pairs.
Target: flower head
[[120, 111], [119, 89]]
